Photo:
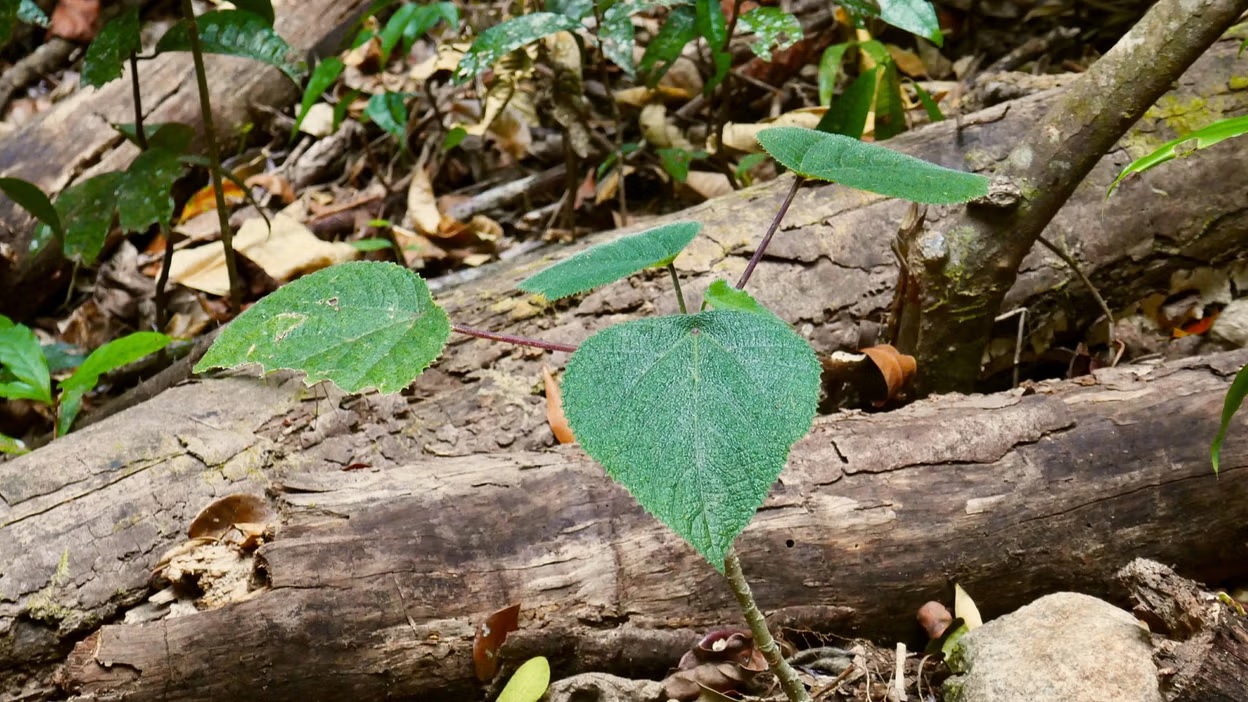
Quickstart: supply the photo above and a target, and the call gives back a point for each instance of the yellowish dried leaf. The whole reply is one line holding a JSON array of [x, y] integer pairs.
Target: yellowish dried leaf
[[422, 205]]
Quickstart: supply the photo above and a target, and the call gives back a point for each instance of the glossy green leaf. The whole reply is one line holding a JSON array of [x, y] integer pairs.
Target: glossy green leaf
[[29, 197], [108, 52], [110, 356], [143, 197], [915, 16], [870, 167], [829, 69], [1234, 398], [773, 28], [23, 369], [87, 209], [30, 13], [1184, 145], [722, 296], [612, 261], [502, 39], [237, 33], [360, 324], [261, 8], [848, 114], [528, 683], [679, 29], [323, 76], [713, 26], [389, 111], [694, 414], [12, 446]]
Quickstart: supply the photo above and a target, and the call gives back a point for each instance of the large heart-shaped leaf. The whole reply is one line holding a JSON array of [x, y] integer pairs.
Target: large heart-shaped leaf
[[870, 167], [694, 414], [360, 324], [612, 261]]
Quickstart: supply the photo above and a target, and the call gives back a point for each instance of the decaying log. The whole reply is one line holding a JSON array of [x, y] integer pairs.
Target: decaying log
[[74, 139], [377, 576]]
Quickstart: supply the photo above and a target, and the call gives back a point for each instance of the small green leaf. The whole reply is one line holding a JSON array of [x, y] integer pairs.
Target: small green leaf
[[772, 28], [1199, 139], [870, 167], [929, 105], [529, 682], [108, 52], [1234, 398], [679, 29], [110, 356], [502, 39], [12, 446], [261, 8], [360, 324], [30, 198], [23, 369], [612, 261], [341, 107], [454, 138], [848, 114], [722, 296], [829, 69], [915, 16], [694, 414], [425, 21], [323, 76], [30, 13], [676, 162], [237, 33], [389, 111], [143, 197], [87, 210], [748, 162], [618, 36], [411, 22], [371, 244], [713, 27], [890, 113]]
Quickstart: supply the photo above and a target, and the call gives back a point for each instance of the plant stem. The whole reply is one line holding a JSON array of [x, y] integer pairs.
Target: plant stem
[[775, 224], [214, 155], [140, 135], [680, 297], [789, 682], [512, 339]]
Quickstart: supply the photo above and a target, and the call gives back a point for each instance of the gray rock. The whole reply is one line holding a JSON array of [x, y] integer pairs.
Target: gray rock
[[1065, 647]]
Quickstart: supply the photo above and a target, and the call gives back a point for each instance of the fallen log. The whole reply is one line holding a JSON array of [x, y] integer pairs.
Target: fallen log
[[376, 578]]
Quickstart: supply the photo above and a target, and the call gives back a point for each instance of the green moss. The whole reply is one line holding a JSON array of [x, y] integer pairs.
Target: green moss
[[1238, 82], [42, 606]]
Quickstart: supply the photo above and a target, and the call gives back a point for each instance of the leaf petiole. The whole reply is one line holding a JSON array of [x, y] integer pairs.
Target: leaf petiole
[[512, 339], [680, 296]]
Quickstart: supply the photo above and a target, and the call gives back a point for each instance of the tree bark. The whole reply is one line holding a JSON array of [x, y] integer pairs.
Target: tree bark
[[376, 578], [75, 138], [967, 260]]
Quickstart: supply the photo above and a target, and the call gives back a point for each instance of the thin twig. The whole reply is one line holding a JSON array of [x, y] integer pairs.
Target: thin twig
[[214, 156], [1074, 266], [789, 682], [680, 296], [775, 224], [512, 339]]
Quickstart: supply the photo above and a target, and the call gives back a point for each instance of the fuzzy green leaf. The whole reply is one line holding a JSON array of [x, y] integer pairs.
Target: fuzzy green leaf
[[23, 369], [612, 261], [870, 167], [323, 76], [109, 50], [915, 16], [1199, 139], [237, 33], [694, 414], [502, 39], [663, 50], [30, 198], [773, 28], [360, 324], [87, 210], [1234, 398], [528, 683], [143, 197], [389, 111], [110, 356], [722, 296]]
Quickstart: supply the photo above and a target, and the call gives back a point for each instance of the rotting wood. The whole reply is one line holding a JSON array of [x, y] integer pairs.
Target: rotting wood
[[377, 578]]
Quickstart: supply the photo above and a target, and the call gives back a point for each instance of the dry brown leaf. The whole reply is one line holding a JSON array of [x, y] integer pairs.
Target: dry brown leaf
[[660, 132], [447, 59], [490, 636], [707, 184], [205, 200], [741, 136], [275, 184], [896, 367], [319, 121], [225, 514], [907, 61], [935, 618], [422, 206], [554, 409]]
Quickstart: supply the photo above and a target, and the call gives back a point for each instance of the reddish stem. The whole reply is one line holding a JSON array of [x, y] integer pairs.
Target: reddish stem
[[512, 339]]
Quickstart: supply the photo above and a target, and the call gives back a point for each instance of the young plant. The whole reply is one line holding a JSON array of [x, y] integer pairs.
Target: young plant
[[694, 413], [25, 375]]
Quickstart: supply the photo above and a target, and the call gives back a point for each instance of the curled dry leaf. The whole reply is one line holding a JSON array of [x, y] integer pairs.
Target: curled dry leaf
[[741, 136], [490, 636], [554, 409], [230, 513], [896, 367], [422, 205], [935, 618], [724, 660]]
